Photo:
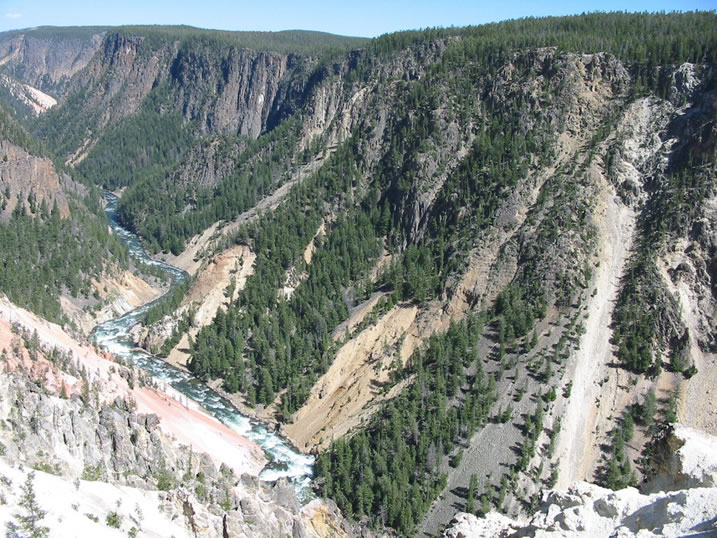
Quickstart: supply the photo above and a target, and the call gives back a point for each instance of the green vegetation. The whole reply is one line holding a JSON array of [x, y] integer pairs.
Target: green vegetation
[[289, 341], [29, 522], [43, 255], [390, 471], [141, 145], [113, 520], [166, 214], [57, 32], [289, 41], [421, 178], [11, 131], [269, 344], [94, 473], [18, 109], [653, 39]]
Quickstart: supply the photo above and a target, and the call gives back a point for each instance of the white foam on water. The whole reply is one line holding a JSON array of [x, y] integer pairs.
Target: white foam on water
[[286, 462]]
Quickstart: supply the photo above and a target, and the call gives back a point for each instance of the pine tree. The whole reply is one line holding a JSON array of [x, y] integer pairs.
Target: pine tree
[[30, 522], [650, 407], [470, 504]]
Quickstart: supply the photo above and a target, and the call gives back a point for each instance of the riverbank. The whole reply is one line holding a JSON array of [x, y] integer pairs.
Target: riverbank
[[114, 336]]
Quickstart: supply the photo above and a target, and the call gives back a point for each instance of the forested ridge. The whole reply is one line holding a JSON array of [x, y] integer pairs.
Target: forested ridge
[[43, 254], [682, 37]]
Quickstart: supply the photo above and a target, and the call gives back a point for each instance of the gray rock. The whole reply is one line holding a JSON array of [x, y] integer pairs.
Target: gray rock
[[285, 496]]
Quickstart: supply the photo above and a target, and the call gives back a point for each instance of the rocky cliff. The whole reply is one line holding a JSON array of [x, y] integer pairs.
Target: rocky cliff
[[25, 177], [217, 86], [685, 503], [99, 433], [47, 58]]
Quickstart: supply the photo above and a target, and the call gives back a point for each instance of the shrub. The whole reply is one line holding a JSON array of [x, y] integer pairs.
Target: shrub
[[113, 520]]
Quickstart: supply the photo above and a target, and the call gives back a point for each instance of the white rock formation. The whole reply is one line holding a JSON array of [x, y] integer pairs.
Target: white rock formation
[[689, 462]]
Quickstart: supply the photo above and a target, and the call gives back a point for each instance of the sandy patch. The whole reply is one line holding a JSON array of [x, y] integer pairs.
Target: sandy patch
[[346, 394], [357, 315], [209, 290], [321, 521], [38, 101], [190, 260], [311, 247], [293, 277], [42, 101], [697, 406]]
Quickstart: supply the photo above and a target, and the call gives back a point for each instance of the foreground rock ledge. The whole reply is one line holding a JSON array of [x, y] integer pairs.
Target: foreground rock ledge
[[686, 502]]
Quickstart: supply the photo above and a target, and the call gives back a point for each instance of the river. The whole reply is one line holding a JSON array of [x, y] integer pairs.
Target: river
[[113, 336]]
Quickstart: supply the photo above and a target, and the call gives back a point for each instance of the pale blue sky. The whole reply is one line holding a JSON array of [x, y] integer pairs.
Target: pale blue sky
[[361, 18]]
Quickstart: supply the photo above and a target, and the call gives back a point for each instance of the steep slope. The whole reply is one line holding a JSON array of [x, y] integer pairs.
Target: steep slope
[[510, 228], [102, 448], [153, 90], [23, 98], [58, 257], [46, 58], [683, 505]]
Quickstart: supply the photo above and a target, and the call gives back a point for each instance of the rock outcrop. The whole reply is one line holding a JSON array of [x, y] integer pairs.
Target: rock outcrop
[[684, 500], [24, 176], [80, 422], [28, 97], [243, 83], [46, 59]]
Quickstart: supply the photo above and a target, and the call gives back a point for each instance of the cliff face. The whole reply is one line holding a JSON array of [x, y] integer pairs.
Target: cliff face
[[45, 59], [243, 85], [220, 87], [23, 175]]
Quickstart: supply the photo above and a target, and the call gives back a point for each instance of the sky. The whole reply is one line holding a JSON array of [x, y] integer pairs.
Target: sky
[[366, 18]]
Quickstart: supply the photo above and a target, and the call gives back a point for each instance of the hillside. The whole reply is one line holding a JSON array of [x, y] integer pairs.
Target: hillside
[[460, 265], [105, 450], [56, 253], [685, 504]]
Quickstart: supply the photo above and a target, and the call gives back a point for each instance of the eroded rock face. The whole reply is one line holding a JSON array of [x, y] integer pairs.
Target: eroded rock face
[[45, 62], [244, 82], [687, 470], [685, 458], [79, 440], [589, 510], [23, 175]]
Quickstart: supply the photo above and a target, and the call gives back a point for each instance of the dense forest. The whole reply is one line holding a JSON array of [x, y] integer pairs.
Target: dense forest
[[44, 255]]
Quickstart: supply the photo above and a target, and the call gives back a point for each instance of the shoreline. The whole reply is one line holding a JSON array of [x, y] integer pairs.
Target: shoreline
[[235, 399], [272, 427]]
